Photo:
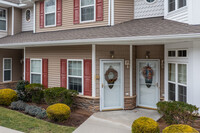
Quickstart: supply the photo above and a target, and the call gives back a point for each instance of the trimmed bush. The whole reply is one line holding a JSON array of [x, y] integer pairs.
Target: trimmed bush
[[19, 105], [58, 112], [175, 112], [36, 91], [179, 128], [145, 125], [22, 94], [7, 96], [59, 95], [36, 111]]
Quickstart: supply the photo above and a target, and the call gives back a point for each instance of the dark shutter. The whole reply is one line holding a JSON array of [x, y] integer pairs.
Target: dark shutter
[[59, 13], [76, 11], [63, 73], [45, 72], [99, 10], [42, 14], [88, 77], [27, 70]]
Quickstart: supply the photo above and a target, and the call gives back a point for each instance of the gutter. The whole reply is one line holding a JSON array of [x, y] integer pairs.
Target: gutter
[[12, 4], [134, 40]]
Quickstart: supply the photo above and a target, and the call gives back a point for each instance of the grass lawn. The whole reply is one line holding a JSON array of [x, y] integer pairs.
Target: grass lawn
[[19, 121]]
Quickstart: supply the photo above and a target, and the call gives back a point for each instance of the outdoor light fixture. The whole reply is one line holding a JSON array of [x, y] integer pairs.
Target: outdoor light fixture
[[147, 56], [127, 63], [112, 54]]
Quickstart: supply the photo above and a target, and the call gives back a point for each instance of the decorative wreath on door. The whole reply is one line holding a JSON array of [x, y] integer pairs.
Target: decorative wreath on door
[[111, 76], [147, 73]]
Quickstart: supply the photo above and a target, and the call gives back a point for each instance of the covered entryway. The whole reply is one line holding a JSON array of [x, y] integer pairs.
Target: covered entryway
[[112, 80], [148, 82]]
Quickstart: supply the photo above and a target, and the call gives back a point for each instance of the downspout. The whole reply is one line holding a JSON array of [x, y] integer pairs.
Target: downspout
[[13, 17], [34, 18], [24, 63]]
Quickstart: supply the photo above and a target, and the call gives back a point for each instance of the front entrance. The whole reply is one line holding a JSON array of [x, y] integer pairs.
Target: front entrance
[[148, 82], [111, 84]]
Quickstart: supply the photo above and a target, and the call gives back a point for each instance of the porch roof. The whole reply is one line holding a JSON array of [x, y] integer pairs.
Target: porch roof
[[130, 32]]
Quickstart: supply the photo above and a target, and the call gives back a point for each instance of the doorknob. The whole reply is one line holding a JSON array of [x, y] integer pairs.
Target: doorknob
[[102, 85], [157, 85]]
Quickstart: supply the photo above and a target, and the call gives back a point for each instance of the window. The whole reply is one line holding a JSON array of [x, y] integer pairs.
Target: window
[[50, 12], [182, 53], [75, 75], [171, 53], [36, 71], [176, 4], [171, 5], [7, 69], [3, 22], [181, 3], [87, 10], [150, 1], [177, 82], [28, 15]]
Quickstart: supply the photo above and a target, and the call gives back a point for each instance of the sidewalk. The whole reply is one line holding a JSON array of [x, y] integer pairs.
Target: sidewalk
[[7, 130]]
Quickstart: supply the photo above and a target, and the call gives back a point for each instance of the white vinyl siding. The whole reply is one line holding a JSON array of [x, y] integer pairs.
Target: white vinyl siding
[[27, 25]]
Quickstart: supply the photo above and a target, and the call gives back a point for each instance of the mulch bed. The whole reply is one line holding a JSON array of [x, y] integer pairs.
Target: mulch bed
[[77, 116], [195, 125]]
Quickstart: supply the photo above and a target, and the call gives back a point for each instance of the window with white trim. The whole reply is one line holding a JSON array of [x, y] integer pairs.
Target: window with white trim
[[177, 81], [180, 53], [36, 71], [7, 69], [3, 19], [75, 75], [87, 10], [28, 15], [176, 4], [50, 12]]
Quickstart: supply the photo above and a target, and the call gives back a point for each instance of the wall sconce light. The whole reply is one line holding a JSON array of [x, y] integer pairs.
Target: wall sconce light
[[127, 63], [21, 61], [162, 64], [147, 56], [112, 53]]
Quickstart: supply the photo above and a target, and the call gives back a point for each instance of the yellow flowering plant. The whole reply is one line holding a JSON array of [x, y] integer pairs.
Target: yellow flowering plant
[[145, 125], [58, 112], [179, 128], [7, 96]]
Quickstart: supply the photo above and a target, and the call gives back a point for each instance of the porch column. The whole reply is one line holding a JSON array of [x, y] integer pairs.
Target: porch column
[[131, 70], [24, 62], [93, 70]]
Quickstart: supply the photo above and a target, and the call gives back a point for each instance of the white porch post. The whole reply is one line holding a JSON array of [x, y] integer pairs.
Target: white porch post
[[24, 63], [131, 70], [13, 17], [34, 7], [93, 70]]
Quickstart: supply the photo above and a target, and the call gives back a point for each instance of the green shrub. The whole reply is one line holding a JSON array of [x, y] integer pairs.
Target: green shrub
[[36, 91], [179, 128], [19, 105], [21, 92], [36, 111], [7, 96], [59, 95], [58, 112], [175, 112], [145, 125]]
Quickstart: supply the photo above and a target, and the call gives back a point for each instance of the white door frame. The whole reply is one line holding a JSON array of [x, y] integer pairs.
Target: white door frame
[[102, 61], [137, 81]]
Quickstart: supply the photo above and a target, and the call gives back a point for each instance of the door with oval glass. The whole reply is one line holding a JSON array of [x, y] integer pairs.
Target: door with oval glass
[[112, 87], [148, 82]]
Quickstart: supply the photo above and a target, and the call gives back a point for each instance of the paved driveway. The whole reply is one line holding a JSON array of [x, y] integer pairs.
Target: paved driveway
[[115, 121]]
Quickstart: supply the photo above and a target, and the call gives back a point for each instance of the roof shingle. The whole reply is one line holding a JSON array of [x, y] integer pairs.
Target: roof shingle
[[140, 27]]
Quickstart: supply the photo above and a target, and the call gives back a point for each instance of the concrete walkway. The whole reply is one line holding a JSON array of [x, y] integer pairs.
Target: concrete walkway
[[7, 130], [115, 121]]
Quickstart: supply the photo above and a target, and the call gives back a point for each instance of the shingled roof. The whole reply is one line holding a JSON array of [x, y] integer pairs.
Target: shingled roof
[[133, 28]]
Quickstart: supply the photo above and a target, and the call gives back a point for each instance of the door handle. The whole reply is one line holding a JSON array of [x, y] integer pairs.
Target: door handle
[[157, 85], [102, 85]]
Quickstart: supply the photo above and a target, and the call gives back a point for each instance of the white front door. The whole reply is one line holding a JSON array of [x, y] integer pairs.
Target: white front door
[[148, 82], [111, 84]]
